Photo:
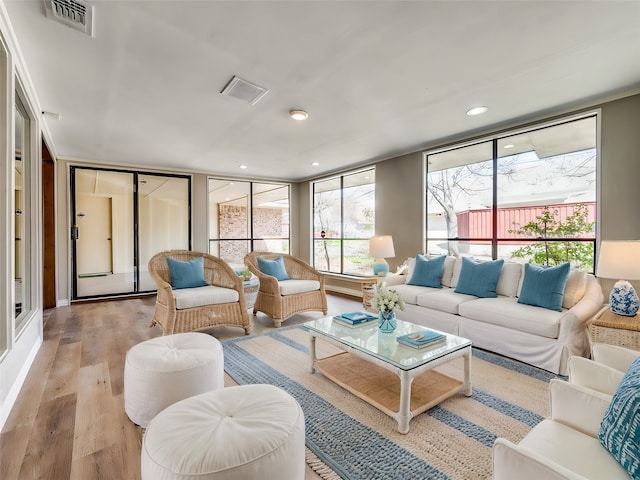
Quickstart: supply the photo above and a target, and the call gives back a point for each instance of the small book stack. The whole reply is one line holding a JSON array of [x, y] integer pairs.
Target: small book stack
[[422, 339], [355, 319]]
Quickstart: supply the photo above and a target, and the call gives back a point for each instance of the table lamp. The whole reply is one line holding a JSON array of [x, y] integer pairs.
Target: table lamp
[[381, 247], [620, 259]]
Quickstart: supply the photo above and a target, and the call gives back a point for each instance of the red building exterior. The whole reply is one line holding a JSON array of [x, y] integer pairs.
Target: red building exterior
[[478, 223]]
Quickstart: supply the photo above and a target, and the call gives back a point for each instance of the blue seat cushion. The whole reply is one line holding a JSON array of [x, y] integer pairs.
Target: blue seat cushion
[[544, 286], [274, 268], [186, 274]]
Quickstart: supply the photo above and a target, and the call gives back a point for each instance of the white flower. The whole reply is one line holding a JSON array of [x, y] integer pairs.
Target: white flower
[[387, 300]]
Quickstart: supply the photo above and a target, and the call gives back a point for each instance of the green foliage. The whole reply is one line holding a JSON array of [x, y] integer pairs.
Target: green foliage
[[546, 226]]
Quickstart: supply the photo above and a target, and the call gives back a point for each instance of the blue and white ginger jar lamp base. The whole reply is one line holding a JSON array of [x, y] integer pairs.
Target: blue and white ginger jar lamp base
[[624, 299]]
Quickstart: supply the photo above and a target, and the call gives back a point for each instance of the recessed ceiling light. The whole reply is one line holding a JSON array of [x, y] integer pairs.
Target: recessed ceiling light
[[511, 145], [477, 111], [243, 167], [315, 164], [298, 114]]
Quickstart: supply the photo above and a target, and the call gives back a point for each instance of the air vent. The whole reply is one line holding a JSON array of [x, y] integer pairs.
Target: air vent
[[72, 13], [247, 91]]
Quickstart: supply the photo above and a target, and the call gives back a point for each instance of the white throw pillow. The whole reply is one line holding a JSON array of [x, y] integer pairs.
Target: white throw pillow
[[509, 280], [575, 288]]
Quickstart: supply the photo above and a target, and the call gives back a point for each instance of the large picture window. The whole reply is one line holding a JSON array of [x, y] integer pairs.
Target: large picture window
[[528, 196], [343, 222], [247, 216]]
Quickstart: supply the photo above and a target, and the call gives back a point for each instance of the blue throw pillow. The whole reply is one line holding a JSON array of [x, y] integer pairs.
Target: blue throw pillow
[[479, 278], [620, 428], [427, 272], [275, 268], [186, 274], [544, 286]]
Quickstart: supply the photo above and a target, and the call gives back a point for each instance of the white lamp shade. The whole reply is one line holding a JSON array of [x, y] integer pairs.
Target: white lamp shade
[[381, 246], [619, 259]]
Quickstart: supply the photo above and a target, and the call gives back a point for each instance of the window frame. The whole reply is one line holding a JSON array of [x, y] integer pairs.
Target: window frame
[[495, 139], [342, 239], [251, 239]]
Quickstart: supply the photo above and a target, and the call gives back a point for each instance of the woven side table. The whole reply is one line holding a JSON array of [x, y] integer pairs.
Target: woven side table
[[607, 327]]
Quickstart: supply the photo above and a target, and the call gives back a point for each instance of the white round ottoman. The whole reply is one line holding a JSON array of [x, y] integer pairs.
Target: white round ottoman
[[164, 370], [249, 432]]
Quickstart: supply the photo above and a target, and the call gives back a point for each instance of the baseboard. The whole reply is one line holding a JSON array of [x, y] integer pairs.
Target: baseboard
[[63, 302], [14, 391]]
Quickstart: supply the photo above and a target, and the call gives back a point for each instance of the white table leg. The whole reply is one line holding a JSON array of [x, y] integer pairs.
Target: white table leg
[[312, 352], [466, 385], [404, 415]]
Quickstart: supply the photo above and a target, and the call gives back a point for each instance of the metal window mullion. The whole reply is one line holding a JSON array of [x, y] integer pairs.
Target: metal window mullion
[[494, 208]]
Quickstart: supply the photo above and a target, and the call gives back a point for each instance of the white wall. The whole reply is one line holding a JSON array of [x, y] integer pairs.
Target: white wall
[[18, 348]]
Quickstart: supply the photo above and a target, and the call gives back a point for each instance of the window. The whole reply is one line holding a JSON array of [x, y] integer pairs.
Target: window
[[343, 222], [528, 196], [23, 215], [247, 216]]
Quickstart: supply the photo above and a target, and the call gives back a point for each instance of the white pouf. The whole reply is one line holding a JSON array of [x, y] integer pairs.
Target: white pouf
[[248, 432], [164, 370]]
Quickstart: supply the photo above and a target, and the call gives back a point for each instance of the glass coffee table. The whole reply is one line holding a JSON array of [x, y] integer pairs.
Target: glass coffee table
[[397, 379]]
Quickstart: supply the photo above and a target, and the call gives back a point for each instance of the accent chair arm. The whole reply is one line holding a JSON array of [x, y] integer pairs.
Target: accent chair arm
[[613, 356], [578, 407], [594, 375]]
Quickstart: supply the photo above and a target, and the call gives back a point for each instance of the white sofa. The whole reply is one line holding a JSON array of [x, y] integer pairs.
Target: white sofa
[[534, 335]]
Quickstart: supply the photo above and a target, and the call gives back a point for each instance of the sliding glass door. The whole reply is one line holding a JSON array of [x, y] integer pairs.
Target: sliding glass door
[[120, 219]]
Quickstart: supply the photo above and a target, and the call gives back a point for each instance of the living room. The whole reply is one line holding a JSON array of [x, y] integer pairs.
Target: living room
[[399, 167]]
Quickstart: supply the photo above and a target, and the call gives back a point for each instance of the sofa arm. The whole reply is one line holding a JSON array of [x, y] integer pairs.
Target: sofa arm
[[575, 321], [594, 375], [511, 461], [578, 407], [613, 356]]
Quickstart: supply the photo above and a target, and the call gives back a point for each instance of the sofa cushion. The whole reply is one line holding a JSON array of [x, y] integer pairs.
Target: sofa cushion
[[186, 274], [427, 272], [509, 279], [292, 287], [201, 296], [479, 278], [507, 312], [575, 288], [409, 293], [544, 286], [620, 428], [274, 268], [446, 300]]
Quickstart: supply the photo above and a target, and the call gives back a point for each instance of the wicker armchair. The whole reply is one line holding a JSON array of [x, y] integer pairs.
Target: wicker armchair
[[216, 273], [270, 299]]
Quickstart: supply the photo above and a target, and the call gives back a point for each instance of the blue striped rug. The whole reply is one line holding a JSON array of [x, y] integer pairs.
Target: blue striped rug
[[356, 441]]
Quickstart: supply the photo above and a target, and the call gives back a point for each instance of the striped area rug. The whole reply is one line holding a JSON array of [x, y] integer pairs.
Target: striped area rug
[[349, 439]]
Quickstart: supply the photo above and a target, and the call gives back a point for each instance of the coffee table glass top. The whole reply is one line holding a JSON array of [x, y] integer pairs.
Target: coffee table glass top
[[372, 341]]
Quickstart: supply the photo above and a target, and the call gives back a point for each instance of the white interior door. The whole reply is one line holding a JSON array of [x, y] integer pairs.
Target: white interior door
[[94, 244]]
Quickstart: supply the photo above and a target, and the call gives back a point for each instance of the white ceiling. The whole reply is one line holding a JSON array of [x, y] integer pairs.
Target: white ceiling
[[378, 78]]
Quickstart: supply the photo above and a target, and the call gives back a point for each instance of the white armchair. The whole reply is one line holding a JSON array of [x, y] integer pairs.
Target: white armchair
[[565, 446], [605, 371]]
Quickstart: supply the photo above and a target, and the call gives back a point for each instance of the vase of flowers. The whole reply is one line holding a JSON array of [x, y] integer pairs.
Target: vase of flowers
[[386, 301]]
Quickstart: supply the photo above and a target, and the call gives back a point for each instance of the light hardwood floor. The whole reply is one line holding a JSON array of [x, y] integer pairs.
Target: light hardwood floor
[[69, 420]]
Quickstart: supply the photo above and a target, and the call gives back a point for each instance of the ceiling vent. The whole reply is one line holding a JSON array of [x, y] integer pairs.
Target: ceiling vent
[[76, 14], [247, 91]]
